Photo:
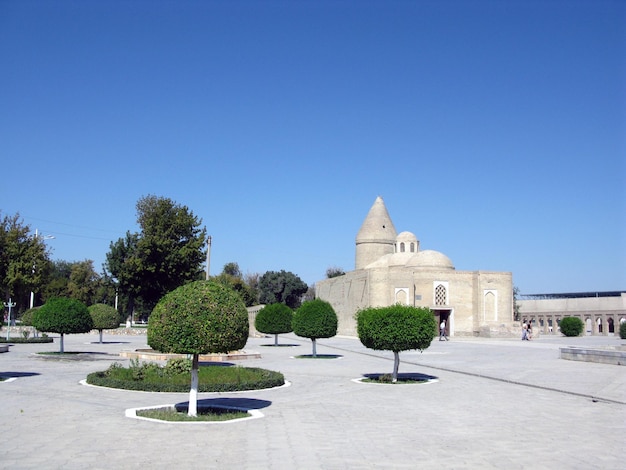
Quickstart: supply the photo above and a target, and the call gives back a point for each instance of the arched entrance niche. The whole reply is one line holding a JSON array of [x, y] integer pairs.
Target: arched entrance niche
[[610, 325]]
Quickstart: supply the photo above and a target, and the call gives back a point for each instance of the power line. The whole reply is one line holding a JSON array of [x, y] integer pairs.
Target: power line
[[70, 225]]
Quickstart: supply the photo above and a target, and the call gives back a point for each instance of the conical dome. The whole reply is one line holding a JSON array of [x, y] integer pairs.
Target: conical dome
[[377, 235]]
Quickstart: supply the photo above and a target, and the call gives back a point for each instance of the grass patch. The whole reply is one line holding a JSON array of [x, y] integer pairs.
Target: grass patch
[[174, 377], [204, 414], [407, 378]]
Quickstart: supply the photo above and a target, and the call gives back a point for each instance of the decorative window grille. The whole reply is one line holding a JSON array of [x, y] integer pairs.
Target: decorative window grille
[[441, 295]]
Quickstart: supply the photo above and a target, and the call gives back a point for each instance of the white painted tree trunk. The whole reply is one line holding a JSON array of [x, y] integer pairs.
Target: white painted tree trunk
[[100, 336], [275, 339], [396, 365], [61, 344], [193, 392], [314, 348]]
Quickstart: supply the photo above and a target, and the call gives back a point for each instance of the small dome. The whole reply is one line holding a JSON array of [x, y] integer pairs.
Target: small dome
[[407, 243], [430, 259], [406, 237]]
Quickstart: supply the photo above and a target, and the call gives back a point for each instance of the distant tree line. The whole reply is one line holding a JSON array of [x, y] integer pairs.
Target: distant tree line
[[168, 251]]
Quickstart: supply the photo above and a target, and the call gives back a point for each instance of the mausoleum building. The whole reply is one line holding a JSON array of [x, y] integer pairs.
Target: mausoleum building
[[391, 268]]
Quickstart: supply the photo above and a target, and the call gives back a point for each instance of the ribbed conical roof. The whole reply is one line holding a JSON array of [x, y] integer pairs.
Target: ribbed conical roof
[[377, 226]]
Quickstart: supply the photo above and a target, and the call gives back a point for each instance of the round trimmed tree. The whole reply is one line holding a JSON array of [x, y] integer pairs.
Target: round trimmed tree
[[104, 317], [202, 317], [396, 328], [315, 319], [64, 316], [274, 319]]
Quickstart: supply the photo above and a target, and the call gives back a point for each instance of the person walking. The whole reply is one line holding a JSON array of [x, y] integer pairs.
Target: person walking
[[524, 331], [442, 331]]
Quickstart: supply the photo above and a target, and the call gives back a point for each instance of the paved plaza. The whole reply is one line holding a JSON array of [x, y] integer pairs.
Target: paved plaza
[[505, 404]]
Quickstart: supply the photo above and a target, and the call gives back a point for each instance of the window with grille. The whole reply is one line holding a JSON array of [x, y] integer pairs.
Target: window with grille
[[441, 295]]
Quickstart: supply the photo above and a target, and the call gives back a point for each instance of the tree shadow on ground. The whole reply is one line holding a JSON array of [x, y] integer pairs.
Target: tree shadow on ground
[[319, 356], [11, 375], [109, 342], [231, 403], [402, 377], [283, 345]]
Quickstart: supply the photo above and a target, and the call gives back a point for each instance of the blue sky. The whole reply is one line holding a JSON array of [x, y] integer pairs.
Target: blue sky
[[495, 131]]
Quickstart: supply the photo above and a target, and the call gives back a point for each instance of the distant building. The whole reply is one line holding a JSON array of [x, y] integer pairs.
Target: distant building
[[600, 311], [391, 268]]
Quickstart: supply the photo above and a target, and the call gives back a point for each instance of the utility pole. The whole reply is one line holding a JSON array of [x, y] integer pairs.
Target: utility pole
[[208, 256]]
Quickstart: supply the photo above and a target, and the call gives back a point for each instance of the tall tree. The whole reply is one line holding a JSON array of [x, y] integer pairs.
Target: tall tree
[[59, 279], [168, 251], [284, 287], [24, 261], [231, 277], [83, 282], [123, 264]]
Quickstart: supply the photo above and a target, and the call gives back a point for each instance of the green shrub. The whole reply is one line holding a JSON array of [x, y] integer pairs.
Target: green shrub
[[315, 319], [396, 328], [622, 330], [63, 315], [178, 366], [43, 339], [27, 317], [571, 326], [151, 377], [274, 319]]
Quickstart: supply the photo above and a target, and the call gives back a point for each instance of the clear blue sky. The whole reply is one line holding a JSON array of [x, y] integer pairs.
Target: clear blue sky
[[495, 131]]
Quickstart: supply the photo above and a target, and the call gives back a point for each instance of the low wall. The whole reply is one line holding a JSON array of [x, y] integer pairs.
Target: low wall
[[615, 356]]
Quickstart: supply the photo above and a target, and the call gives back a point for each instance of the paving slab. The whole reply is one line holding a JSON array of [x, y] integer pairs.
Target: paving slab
[[496, 404]]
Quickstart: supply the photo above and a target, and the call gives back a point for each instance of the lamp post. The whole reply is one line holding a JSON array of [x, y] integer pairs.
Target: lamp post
[[44, 238], [208, 256], [10, 305]]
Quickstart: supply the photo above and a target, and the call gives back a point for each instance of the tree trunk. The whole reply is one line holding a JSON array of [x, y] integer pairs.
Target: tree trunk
[[396, 364], [276, 339], [193, 392], [314, 348], [100, 336], [61, 344]]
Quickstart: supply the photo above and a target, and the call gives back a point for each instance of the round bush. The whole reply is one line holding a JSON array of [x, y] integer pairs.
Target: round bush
[[63, 315], [396, 328], [571, 326], [622, 330], [199, 318], [315, 319], [104, 317], [27, 317], [274, 319]]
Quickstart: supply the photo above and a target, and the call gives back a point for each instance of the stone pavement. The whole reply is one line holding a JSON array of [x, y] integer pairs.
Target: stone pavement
[[503, 404]]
